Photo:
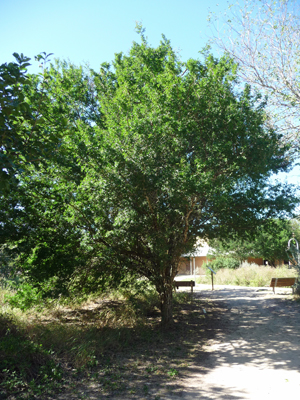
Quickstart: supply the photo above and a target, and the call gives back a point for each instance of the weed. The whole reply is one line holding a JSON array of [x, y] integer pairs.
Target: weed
[[151, 369], [24, 364], [172, 373], [146, 389]]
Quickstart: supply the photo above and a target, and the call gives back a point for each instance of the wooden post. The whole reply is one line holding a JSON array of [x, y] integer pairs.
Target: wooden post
[[212, 277]]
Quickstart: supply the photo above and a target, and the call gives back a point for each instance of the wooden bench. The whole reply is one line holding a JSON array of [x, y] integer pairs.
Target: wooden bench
[[178, 284], [282, 282]]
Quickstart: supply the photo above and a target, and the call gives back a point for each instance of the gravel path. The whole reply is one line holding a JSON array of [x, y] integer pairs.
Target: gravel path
[[258, 357]]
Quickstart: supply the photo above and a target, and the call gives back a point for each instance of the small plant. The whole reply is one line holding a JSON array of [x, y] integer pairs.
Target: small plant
[[151, 369], [172, 373], [26, 297], [146, 389]]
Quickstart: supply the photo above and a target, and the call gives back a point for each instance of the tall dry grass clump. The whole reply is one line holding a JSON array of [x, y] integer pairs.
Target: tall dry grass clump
[[249, 275]]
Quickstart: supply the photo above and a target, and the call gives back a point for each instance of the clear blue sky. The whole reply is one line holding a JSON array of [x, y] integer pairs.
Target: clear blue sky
[[93, 31]]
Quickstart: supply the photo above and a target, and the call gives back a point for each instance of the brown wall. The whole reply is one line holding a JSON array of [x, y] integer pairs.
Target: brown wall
[[258, 261], [184, 266]]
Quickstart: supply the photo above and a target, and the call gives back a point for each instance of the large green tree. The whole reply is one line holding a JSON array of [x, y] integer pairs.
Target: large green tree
[[158, 153], [180, 154]]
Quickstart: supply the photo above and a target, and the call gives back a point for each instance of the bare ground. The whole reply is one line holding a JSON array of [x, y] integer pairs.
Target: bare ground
[[243, 343], [259, 357]]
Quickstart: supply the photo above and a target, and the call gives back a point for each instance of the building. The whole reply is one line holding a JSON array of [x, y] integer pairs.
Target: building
[[194, 263]]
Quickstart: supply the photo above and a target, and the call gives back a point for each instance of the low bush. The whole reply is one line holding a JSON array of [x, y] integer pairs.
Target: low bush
[[224, 262]]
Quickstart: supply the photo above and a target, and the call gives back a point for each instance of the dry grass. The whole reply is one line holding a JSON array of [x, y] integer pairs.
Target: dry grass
[[45, 351], [249, 275]]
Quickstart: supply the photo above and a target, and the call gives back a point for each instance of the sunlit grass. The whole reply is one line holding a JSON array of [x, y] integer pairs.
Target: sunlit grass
[[38, 344], [249, 275]]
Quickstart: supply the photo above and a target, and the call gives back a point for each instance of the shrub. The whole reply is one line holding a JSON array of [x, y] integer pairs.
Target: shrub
[[26, 297], [224, 262]]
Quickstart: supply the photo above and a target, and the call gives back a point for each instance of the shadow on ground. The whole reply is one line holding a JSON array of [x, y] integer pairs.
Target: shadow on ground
[[223, 343], [154, 366], [257, 356]]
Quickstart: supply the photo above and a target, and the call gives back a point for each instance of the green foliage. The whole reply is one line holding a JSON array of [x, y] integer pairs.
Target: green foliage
[[26, 297], [25, 365], [27, 136], [153, 153], [224, 262], [6, 266], [173, 373], [268, 242]]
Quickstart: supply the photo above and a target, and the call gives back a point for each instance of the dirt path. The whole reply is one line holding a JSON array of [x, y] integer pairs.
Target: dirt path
[[259, 355], [252, 351]]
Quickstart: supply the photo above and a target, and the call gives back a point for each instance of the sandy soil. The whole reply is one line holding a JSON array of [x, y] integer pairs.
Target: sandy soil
[[257, 357], [252, 350]]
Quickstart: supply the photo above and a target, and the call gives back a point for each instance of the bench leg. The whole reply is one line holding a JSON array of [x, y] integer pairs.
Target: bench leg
[[275, 284]]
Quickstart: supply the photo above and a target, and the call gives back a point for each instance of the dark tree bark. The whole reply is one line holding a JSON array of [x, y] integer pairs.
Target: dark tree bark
[[166, 299]]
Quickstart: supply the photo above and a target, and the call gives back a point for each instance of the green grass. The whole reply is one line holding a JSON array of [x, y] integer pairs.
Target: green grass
[[248, 275]]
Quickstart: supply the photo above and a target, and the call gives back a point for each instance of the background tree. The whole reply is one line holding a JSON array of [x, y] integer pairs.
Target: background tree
[[271, 242], [35, 225], [264, 38], [268, 242], [29, 133]]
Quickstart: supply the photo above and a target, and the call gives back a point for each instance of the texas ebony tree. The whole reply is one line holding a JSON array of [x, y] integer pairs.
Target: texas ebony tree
[[177, 151], [181, 153]]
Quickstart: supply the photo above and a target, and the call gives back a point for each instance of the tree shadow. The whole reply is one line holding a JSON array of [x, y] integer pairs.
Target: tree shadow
[[153, 362], [242, 329], [260, 345]]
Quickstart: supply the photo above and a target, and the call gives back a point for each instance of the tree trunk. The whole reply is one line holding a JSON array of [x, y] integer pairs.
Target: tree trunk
[[297, 287], [166, 298]]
